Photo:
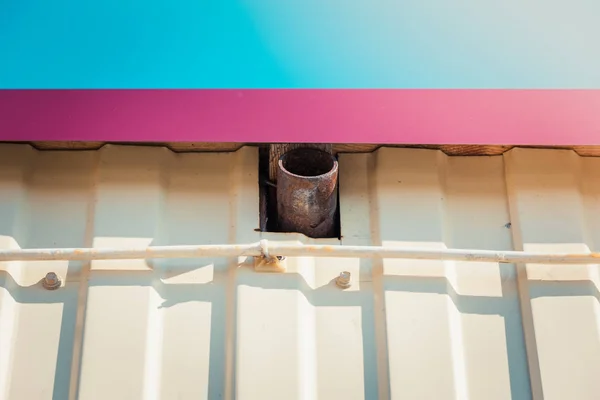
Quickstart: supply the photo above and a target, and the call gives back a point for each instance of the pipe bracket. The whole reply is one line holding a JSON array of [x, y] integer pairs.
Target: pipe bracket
[[266, 262]]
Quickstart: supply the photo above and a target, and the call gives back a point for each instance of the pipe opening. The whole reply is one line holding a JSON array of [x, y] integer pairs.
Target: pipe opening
[[307, 162]]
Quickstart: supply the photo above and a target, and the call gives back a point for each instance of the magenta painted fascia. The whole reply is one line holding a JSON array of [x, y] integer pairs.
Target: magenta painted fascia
[[527, 117]]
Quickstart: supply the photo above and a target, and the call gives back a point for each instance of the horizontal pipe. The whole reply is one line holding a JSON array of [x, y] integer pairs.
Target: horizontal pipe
[[265, 248], [86, 254]]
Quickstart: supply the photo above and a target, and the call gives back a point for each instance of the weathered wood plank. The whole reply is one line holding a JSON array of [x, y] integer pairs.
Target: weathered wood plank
[[453, 150]]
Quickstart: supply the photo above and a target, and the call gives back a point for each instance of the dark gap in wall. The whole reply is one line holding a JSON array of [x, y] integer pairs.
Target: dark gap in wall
[[338, 217], [264, 189]]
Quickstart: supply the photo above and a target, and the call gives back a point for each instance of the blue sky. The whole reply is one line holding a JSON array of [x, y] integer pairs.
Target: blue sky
[[299, 44]]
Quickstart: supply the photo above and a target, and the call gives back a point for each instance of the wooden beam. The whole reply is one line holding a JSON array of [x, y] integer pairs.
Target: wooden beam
[[451, 150]]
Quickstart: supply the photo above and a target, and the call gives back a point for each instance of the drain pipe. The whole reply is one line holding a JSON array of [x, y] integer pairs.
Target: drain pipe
[[266, 249], [307, 180]]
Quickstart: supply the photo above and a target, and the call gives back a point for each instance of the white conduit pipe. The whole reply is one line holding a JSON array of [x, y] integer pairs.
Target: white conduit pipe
[[265, 248]]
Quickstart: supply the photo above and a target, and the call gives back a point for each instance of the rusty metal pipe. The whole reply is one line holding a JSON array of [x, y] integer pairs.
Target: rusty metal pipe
[[307, 182]]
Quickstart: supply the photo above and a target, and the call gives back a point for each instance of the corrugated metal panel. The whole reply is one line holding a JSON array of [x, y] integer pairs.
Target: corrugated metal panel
[[214, 328]]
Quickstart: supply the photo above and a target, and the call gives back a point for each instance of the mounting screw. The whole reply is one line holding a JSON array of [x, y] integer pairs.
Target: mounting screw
[[51, 281], [343, 280]]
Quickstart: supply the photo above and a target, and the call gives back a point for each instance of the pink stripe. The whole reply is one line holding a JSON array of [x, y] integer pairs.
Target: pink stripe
[[536, 117]]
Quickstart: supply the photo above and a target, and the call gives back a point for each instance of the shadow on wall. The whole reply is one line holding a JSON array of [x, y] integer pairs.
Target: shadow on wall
[[214, 292]]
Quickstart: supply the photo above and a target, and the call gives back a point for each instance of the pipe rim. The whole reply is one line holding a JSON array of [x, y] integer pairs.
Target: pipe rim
[[332, 170]]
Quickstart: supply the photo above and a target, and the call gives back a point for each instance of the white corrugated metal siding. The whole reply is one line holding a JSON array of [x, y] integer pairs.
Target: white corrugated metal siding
[[214, 328]]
